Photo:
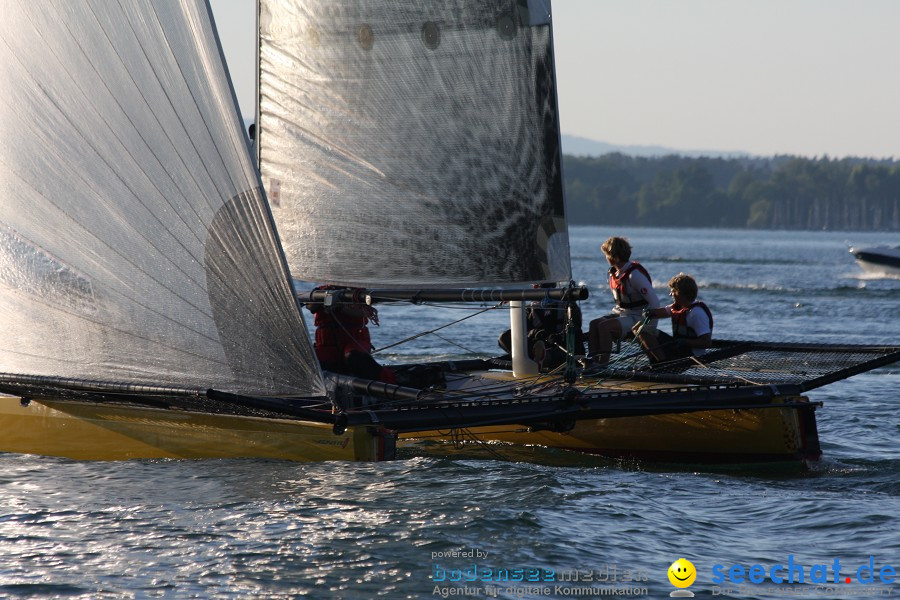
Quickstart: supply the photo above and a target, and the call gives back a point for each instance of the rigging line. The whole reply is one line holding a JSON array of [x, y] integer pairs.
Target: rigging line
[[504, 393], [484, 393], [424, 333], [597, 385], [625, 374], [460, 346], [489, 389], [718, 370], [439, 434], [458, 438], [493, 390], [665, 363], [527, 383], [446, 306], [623, 355]]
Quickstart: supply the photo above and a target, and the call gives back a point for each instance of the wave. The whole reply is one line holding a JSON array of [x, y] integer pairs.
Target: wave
[[724, 260], [742, 260], [837, 289], [750, 286], [874, 276]]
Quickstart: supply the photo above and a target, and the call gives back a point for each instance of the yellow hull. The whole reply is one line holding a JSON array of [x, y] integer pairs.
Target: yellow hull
[[745, 436], [91, 431], [757, 435]]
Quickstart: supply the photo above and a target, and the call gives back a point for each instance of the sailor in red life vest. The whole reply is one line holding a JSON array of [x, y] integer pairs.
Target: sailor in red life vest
[[632, 290], [343, 344], [692, 324]]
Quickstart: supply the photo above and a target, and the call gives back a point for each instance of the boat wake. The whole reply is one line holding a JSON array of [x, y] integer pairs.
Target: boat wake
[[874, 276]]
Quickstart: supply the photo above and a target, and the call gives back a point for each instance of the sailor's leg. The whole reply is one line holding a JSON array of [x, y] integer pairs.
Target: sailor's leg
[[657, 345], [602, 333], [504, 341]]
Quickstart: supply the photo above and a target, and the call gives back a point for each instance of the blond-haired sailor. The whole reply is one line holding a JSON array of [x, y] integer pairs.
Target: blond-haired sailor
[[632, 290]]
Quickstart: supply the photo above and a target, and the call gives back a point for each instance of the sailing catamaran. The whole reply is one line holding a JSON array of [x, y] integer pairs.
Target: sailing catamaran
[[146, 304], [413, 147]]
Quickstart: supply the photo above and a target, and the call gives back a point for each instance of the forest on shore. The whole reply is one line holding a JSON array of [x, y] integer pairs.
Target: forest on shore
[[781, 192]]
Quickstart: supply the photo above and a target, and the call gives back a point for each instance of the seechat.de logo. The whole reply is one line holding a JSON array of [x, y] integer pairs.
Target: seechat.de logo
[[791, 572], [682, 574]]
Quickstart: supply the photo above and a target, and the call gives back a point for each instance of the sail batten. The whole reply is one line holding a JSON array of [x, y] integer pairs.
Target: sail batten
[[136, 244], [408, 143]]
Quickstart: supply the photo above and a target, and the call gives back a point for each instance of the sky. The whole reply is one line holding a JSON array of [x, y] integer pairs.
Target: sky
[[764, 77]]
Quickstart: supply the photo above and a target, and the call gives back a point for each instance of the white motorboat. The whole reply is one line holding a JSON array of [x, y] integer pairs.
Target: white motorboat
[[879, 260]]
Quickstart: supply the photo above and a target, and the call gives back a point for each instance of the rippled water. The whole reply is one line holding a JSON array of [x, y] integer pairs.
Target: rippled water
[[248, 528]]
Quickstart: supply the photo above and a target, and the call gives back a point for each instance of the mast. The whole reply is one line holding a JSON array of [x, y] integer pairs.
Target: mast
[[522, 364]]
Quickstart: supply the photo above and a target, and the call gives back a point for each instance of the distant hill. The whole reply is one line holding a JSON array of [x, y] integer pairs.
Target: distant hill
[[579, 146]]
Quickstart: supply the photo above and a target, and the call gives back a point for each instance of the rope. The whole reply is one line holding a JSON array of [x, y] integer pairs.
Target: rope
[[452, 343], [457, 436], [436, 329], [634, 340], [664, 364], [623, 355]]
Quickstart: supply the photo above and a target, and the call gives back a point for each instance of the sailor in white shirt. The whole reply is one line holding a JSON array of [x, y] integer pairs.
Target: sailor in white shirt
[[692, 324], [632, 290]]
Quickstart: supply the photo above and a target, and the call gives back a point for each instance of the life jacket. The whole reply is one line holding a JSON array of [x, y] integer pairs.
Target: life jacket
[[338, 333], [680, 327], [620, 290]]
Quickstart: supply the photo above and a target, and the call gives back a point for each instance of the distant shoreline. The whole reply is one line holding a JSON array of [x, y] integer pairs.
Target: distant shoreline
[[777, 193]]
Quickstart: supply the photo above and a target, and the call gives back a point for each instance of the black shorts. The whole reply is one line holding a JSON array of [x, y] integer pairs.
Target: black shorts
[[670, 349]]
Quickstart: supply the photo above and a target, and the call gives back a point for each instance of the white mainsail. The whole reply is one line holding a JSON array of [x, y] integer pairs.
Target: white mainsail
[[410, 143], [136, 245]]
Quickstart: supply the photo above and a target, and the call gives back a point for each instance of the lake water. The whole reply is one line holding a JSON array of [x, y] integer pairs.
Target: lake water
[[267, 529]]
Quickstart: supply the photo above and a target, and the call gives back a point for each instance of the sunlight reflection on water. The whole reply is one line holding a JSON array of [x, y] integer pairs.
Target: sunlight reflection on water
[[248, 528]]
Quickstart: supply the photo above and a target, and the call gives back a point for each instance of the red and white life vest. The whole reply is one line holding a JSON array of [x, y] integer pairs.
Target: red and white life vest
[[625, 295], [680, 327]]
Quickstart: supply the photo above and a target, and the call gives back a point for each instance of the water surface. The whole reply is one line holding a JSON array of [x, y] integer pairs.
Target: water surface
[[268, 529]]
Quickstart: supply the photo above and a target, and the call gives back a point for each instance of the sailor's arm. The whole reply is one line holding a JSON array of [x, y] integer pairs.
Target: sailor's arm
[[658, 313], [703, 341]]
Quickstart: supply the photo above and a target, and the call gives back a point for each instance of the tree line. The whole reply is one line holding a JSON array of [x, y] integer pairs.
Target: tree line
[[781, 192]]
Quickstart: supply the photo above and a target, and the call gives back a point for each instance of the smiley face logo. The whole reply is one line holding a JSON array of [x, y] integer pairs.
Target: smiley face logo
[[682, 573]]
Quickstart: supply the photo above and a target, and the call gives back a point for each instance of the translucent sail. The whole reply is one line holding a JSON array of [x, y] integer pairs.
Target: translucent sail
[[135, 243], [405, 142]]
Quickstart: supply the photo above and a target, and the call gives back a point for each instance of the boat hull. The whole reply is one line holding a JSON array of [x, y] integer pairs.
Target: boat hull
[[878, 269], [881, 261], [774, 433], [96, 431], [746, 436]]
